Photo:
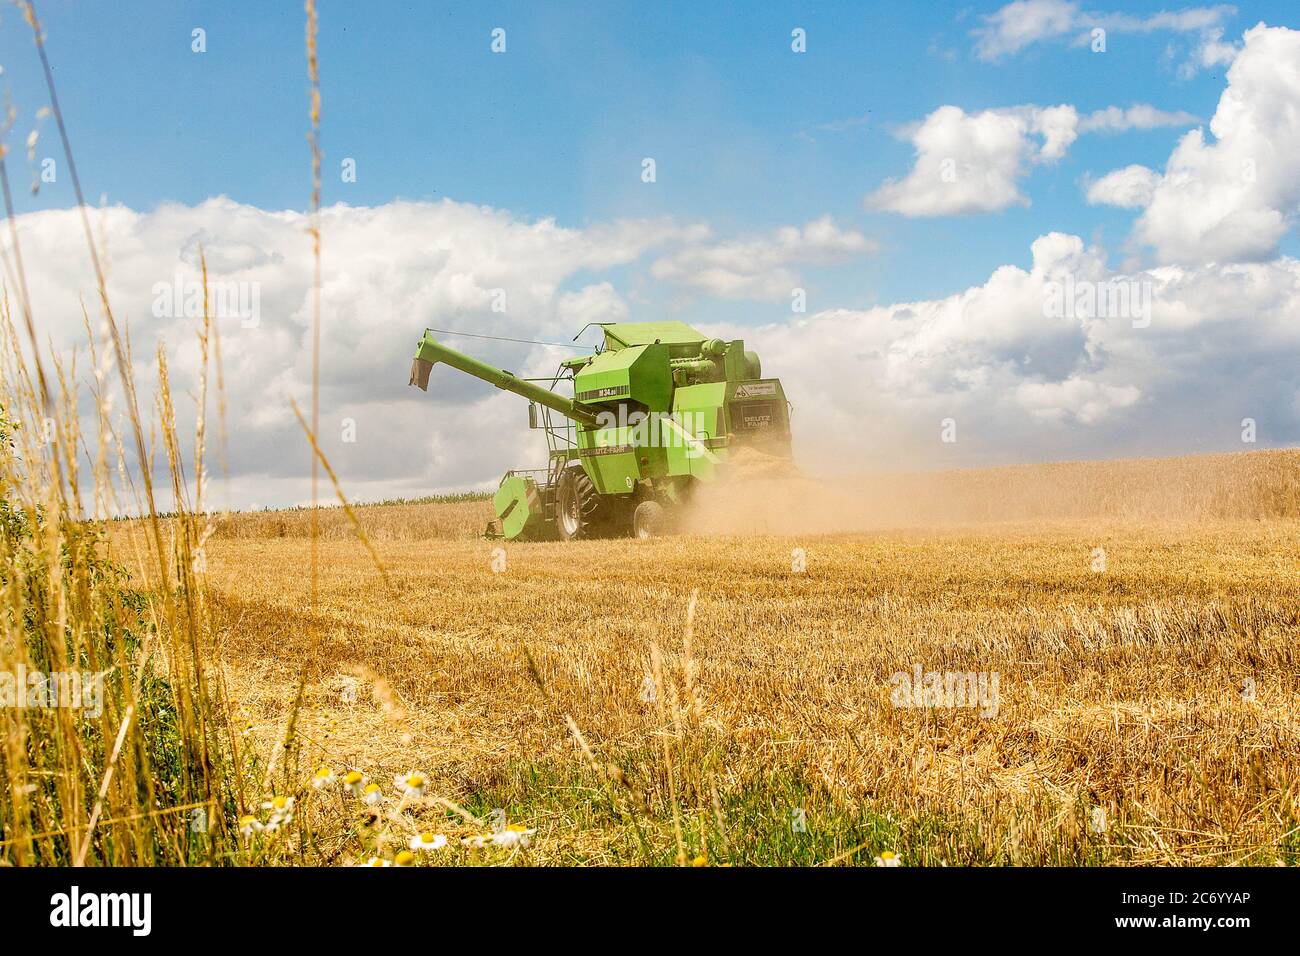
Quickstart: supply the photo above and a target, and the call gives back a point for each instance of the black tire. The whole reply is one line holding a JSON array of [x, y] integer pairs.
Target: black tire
[[577, 506], [649, 520]]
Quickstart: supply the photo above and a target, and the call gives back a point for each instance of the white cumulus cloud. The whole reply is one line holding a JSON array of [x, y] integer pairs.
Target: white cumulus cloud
[[389, 272], [1233, 197], [973, 162], [1076, 397], [1023, 23], [1114, 119], [760, 267], [1219, 344], [1129, 188]]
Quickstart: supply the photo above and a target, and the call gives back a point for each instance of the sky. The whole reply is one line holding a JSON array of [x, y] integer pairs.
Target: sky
[[925, 177]]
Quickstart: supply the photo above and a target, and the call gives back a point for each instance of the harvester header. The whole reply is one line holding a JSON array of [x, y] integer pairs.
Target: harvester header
[[656, 410]]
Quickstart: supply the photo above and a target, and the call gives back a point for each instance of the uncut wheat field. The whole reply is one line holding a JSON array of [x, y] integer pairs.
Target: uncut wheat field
[[731, 695]]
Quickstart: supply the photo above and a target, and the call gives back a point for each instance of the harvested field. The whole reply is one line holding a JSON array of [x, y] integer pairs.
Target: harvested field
[[1146, 678]]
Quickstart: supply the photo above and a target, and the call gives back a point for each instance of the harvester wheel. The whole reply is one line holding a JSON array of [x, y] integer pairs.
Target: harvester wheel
[[649, 520], [576, 504]]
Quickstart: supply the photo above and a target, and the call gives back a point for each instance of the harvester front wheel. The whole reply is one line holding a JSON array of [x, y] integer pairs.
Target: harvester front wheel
[[576, 505], [648, 520]]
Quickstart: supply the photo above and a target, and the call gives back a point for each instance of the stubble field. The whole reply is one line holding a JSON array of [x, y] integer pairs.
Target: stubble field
[[1147, 676]]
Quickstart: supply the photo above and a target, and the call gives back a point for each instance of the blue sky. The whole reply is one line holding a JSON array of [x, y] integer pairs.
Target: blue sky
[[558, 125]]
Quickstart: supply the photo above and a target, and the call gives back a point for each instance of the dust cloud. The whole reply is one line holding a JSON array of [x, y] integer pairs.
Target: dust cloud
[[766, 495]]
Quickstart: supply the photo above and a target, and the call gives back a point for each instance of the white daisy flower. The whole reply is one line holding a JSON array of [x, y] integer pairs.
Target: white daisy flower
[[372, 795], [428, 841], [889, 858], [281, 812], [248, 825], [373, 861], [513, 835], [354, 782], [324, 777], [411, 784]]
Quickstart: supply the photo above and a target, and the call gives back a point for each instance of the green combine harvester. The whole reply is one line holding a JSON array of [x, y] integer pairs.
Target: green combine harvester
[[656, 410]]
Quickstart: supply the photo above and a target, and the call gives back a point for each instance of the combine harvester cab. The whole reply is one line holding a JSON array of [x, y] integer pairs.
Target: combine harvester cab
[[658, 409]]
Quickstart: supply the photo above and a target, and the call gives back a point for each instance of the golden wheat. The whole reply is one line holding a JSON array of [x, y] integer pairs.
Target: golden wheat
[[1159, 691]]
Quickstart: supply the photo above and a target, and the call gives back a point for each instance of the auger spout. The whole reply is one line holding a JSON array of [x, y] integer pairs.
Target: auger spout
[[430, 352]]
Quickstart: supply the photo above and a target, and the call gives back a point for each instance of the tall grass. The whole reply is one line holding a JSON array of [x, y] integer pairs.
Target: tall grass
[[117, 748], [119, 741], [137, 768]]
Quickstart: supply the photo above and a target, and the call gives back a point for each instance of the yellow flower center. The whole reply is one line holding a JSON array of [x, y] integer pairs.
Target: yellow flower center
[[353, 776], [517, 828], [247, 821], [279, 803], [324, 772], [372, 788], [405, 858], [887, 855], [415, 780], [426, 837]]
